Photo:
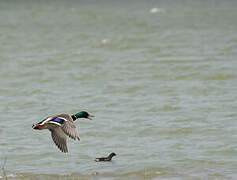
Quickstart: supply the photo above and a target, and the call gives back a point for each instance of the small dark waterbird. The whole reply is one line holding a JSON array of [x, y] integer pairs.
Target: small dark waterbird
[[61, 126], [109, 158]]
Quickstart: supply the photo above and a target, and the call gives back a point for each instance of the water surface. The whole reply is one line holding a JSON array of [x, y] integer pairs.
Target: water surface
[[162, 84]]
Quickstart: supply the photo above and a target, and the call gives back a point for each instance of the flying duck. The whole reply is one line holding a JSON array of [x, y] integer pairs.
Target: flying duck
[[62, 126]]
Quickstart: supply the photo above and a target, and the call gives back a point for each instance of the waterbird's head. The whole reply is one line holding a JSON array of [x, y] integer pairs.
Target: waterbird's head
[[82, 114], [112, 154]]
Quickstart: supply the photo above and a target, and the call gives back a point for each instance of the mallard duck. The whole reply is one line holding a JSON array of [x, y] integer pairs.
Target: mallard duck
[[62, 126], [109, 158]]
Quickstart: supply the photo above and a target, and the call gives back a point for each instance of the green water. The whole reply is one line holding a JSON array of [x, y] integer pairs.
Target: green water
[[161, 82]]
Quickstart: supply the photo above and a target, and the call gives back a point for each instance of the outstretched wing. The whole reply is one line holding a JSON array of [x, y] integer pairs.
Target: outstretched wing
[[57, 121], [70, 129], [59, 138], [45, 120]]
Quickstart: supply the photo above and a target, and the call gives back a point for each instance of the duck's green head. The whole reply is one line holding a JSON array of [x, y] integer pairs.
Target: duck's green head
[[82, 114]]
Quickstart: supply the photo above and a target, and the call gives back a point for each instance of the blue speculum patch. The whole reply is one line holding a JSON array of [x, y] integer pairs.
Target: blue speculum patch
[[58, 120]]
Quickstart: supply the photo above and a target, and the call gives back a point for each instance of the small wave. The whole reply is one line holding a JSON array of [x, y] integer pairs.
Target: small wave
[[157, 10], [105, 41], [144, 173], [10, 176]]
